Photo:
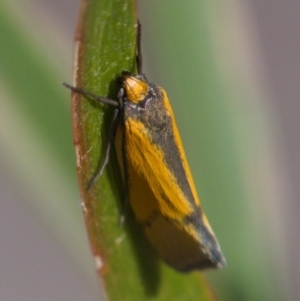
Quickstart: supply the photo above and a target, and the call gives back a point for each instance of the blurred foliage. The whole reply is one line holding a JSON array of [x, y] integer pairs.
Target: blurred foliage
[[197, 52]]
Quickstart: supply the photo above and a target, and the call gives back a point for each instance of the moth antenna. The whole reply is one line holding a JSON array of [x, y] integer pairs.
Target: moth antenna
[[95, 96], [139, 59]]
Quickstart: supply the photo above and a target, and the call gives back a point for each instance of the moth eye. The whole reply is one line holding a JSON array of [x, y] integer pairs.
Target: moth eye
[[120, 93]]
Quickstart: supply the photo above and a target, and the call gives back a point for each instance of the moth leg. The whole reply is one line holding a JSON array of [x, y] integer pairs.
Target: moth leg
[[111, 136], [126, 180]]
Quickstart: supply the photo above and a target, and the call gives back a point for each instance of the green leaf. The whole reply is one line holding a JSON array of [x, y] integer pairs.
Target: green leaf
[[128, 267]]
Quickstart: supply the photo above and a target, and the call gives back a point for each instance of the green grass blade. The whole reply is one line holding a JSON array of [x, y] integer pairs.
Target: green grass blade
[[129, 268]]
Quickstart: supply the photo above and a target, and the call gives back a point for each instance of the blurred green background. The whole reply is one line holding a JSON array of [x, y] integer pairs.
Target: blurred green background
[[229, 68]]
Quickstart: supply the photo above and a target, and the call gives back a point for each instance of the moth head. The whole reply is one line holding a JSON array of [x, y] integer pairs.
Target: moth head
[[136, 87]]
